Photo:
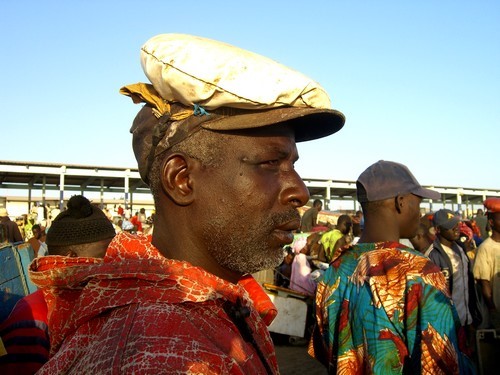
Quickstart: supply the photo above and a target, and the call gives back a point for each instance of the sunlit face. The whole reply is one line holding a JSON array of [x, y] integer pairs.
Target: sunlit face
[[452, 234], [36, 233], [247, 209], [495, 222]]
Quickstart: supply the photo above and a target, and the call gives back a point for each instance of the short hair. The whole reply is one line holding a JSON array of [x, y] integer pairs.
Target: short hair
[[317, 202], [343, 219], [372, 207], [203, 145]]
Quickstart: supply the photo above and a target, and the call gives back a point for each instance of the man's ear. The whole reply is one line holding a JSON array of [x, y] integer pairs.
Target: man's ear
[[399, 203], [176, 179]]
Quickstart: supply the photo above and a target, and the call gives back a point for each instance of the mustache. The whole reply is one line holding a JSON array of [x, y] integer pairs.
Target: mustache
[[284, 217]]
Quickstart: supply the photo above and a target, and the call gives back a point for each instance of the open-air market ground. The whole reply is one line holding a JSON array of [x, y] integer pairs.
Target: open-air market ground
[[294, 360]]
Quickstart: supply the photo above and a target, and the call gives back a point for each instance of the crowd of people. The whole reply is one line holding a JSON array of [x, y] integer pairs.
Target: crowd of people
[[216, 144], [464, 254], [32, 227]]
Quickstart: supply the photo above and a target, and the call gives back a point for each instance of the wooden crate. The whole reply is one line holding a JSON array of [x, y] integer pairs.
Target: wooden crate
[[14, 280], [488, 351]]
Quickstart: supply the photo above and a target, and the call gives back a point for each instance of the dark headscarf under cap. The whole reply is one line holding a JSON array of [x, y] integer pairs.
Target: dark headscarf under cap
[[81, 223]]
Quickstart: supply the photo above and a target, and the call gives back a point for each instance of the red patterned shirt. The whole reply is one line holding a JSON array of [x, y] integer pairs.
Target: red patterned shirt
[[137, 312]]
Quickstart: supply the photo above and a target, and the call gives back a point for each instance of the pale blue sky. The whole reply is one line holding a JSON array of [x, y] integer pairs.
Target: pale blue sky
[[419, 81]]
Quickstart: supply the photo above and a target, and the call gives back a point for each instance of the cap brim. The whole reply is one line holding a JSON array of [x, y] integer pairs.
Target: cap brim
[[309, 123], [427, 193], [450, 224]]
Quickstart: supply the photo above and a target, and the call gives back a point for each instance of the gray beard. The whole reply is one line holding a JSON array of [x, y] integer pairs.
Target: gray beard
[[241, 253]]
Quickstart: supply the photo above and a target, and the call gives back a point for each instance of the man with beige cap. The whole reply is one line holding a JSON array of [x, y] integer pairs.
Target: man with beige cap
[[216, 143]]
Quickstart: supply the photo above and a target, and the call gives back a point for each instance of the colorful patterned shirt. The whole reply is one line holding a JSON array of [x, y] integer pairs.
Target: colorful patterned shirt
[[383, 308], [137, 312]]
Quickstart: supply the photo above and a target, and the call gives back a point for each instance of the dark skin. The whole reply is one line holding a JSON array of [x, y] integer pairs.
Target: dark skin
[[392, 219], [38, 235], [344, 227], [421, 241], [448, 236], [313, 244], [494, 222], [262, 192], [93, 250]]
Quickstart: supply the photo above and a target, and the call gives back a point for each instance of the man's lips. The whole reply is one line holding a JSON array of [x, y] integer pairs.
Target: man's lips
[[290, 225], [284, 232]]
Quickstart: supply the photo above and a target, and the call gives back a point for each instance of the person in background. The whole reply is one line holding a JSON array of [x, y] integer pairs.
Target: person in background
[[300, 279], [136, 222], [4, 239], [37, 242], [487, 264], [28, 225], [482, 223], [422, 240], [310, 217], [382, 307], [467, 242], [336, 238], [226, 193], [83, 233], [357, 226], [13, 233], [284, 271], [449, 256], [20, 221]]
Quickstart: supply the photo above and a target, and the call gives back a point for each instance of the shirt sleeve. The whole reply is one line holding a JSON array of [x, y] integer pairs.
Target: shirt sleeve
[[482, 266]]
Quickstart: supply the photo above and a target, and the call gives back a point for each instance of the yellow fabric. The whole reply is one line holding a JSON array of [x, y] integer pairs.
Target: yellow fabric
[[2, 348], [328, 240], [146, 93]]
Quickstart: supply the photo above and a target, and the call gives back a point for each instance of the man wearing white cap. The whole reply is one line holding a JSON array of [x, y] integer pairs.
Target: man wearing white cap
[[215, 141]]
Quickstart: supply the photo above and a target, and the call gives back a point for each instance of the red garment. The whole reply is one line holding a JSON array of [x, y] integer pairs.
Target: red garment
[[137, 312], [136, 222], [25, 336]]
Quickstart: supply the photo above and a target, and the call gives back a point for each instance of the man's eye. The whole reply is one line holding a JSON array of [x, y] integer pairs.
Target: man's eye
[[272, 162]]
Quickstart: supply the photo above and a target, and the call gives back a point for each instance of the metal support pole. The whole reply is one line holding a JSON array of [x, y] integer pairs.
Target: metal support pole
[[61, 187], [102, 193], [127, 175], [328, 196]]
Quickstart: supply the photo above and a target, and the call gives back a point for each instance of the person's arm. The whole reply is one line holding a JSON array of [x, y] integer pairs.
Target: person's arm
[[314, 219], [341, 242], [321, 254], [18, 237], [487, 293]]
